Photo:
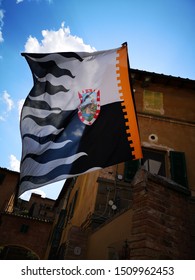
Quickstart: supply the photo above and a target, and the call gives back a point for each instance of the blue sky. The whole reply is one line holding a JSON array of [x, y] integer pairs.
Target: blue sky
[[159, 33]]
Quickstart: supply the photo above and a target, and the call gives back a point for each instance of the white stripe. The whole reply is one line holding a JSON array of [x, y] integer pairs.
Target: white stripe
[[25, 186], [63, 100], [32, 168], [38, 112], [29, 126], [64, 80], [31, 146]]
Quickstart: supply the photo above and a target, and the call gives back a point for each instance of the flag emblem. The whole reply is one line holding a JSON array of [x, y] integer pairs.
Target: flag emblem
[[78, 117], [89, 108]]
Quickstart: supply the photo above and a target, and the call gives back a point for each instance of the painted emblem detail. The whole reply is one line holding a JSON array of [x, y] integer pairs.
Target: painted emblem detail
[[89, 108]]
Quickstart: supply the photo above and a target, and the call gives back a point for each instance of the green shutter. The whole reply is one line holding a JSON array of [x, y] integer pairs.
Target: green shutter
[[178, 168], [61, 219], [73, 203], [131, 168], [24, 228], [56, 235]]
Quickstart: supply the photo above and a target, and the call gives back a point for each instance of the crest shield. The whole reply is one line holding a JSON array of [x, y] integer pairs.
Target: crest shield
[[89, 107]]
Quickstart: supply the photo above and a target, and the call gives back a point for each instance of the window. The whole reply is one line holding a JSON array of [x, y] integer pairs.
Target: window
[[24, 228], [131, 168], [153, 102], [61, 218], [57, 233], [72, 207], [154, 161]]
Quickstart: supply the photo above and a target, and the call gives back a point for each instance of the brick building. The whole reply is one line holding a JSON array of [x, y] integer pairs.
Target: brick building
[[8, 187], [25, 226]]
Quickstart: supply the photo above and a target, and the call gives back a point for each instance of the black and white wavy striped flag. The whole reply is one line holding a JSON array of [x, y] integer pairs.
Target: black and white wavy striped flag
[[78, 117]]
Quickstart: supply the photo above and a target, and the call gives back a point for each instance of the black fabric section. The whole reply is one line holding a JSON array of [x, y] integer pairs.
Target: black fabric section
[[105, 141]]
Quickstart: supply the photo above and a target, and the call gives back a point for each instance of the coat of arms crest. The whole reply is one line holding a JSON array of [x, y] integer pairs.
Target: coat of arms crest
[[89, 108]]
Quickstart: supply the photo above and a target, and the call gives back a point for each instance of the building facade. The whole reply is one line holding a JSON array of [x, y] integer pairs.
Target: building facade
[[25, 226], [8, 187]]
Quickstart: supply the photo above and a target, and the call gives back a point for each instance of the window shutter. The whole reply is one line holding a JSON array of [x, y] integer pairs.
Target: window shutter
[[24, 228], [56, 235], [61, 219], [178, 168], [131, 168], [73, 204]]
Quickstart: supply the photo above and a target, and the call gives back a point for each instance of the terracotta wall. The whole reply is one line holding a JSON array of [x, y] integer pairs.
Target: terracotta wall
[[35, 239], [7, 187], [175, 127]]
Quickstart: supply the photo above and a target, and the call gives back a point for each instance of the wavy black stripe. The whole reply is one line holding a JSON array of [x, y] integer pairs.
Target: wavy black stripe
[[51, 67], [64, 54], [40, 87], [59, 120], [56, 172], [44, 139], [36, 104], [41, 69], [51, 154]]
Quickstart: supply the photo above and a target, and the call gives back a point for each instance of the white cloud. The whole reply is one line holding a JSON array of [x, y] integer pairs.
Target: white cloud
[[14, 163], [57, 41], [20, 105], [2, 118], [8, 101], [20, 1], [1, 25], [1, 17], [1, 37]]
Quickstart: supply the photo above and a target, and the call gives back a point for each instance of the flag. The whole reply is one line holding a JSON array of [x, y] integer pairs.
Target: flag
[[78, 117]]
